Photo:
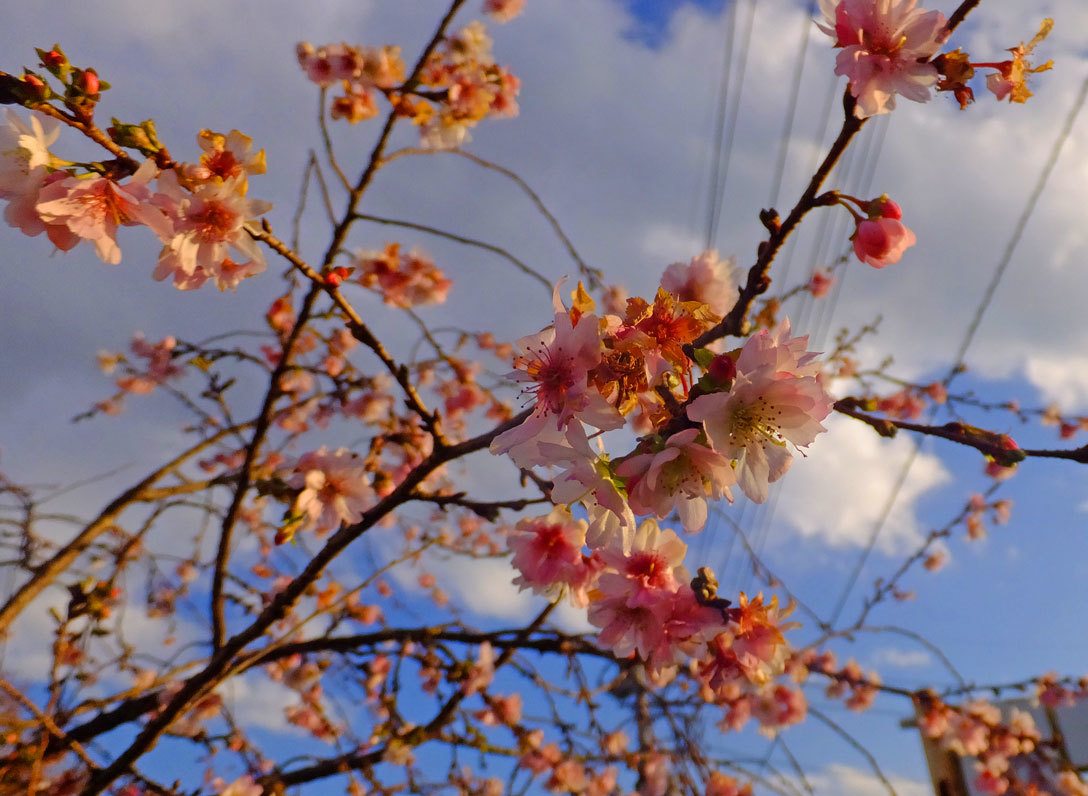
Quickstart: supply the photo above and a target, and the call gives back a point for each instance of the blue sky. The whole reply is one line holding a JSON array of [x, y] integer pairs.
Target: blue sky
[[615, 135]]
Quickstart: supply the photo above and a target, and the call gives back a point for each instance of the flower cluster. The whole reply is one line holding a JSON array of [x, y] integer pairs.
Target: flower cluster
[[403, 280], [198, 211], [734, 425], [886, 47], [889, 48], [1011, 754], [459, 84]]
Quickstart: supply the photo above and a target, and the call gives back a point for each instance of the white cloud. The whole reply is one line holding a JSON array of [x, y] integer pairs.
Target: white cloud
[[902, 659], [485, 586], [838, 491], [667, 243], [1060, 379], [842, 780], [255, 701]]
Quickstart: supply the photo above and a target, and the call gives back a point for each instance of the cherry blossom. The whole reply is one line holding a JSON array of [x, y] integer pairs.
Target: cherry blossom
[[680, 476], [207, 226], [769, 406], [93, 207], [886, 47], [226, 157], [403, 280], [820, 282], [651, 564], [556, 362], [548, 554], [335, 488], [503, 10], [25, 162], [706, 279]]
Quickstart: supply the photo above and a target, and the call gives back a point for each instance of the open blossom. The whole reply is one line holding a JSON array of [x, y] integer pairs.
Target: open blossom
[[548, 554], [678, 478], [208, 229], [886, 48], [773, 403], [587, 478], [24, 171], [22, 209], [556, 364], [24, 146], [93, 207], [226, 157], [335, 488], [705, 279]]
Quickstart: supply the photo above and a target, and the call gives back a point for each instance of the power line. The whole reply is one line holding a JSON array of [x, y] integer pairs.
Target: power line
[[731, 127], [719, 126], [795, 90]]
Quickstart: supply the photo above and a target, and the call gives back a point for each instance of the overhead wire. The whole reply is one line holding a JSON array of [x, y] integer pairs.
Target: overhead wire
[[795, 91], [719, 125], [731, 125]]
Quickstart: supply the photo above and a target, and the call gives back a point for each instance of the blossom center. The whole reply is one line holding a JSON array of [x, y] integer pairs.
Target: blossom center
[[215, 222]]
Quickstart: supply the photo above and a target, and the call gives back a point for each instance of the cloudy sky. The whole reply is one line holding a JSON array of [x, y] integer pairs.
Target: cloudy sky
[[616, 134]]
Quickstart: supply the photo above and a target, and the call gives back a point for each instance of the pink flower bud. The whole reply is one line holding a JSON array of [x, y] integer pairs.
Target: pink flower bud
[[54, 59], [820, 283], [889, 209], [882, 241], [36, 85], [723, 368], [88, 83]]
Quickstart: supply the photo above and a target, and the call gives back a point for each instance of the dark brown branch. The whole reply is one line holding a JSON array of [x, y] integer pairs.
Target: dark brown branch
[[999, 447], [734, 324]]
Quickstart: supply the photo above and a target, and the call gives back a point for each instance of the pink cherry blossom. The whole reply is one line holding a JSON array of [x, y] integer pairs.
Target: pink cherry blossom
[[774, 401], [22, 209], [335, 488], [93, 207], [775, 350], [652, 563], [706, 279], [625, 629], [886, 48], [678, 478], [548, 553], [403, 280], [24, 148], [881, 241], [556, 364], [208, 226]]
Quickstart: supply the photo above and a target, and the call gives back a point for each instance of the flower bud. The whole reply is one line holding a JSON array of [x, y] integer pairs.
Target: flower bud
[[87, 82], [53, 59], [881, 241], [723, 368]]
